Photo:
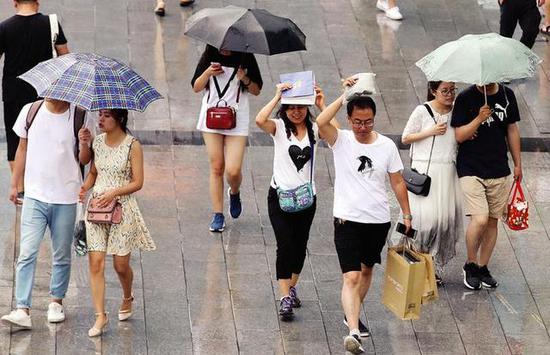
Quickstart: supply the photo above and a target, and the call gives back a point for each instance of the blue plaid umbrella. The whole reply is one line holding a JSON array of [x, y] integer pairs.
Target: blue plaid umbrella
[[91, 81]]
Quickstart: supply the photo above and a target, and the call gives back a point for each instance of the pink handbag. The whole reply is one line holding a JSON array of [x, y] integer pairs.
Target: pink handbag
[[112, 214]]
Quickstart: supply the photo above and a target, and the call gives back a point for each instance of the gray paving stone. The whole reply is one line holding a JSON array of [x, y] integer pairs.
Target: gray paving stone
[[253, 342]]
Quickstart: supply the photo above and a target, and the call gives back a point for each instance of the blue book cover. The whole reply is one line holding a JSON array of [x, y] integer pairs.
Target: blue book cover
[[303, 84]]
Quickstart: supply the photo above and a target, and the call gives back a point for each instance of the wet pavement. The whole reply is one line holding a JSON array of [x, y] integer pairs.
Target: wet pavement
[[216, 294], [206, 293], [343, 37]]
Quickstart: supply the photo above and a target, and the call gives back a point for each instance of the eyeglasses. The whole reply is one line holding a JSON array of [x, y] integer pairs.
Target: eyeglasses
[[359, 123], [447, 92]]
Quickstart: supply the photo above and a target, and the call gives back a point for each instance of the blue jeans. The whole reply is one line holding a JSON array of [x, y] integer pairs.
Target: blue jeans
[[35, 217]]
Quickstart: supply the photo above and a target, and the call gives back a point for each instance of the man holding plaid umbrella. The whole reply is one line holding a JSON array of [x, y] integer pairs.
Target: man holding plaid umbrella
[[48, 156]]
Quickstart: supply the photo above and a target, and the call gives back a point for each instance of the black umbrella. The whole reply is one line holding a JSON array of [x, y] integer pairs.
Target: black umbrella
[[245, 30]]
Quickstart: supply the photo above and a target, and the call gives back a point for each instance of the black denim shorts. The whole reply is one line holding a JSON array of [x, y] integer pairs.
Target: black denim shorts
[[359, 243]]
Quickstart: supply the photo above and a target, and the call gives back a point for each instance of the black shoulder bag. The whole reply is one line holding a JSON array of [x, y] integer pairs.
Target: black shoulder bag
[[417, 183]]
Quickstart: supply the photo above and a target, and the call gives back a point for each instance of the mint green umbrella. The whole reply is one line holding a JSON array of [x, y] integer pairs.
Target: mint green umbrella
[[480, 59]]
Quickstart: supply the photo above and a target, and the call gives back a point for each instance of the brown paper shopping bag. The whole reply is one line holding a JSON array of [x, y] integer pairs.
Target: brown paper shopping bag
[[404, 282], [430, 292]]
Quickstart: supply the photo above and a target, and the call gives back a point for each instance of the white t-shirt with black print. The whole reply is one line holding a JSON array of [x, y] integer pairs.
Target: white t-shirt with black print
[[292, 158], [360, 184]]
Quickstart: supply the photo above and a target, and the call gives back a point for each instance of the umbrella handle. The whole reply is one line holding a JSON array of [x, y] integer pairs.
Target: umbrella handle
[[485, 93]]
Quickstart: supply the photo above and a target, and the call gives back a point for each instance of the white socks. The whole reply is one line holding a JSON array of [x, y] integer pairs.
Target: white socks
[[354, 331]]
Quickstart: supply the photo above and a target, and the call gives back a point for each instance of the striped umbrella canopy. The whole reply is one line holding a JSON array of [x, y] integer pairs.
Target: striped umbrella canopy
[[245, 30], [91, 81]]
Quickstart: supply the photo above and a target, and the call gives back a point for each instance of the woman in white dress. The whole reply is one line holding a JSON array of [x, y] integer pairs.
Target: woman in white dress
[[226, 78], [438, 216]]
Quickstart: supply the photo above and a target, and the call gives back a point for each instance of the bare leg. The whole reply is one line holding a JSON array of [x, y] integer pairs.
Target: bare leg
[[488, 242], [235, 147], [392, 3], [366, 278], [474, 234], [97, 285], [284, 287], [126, 277], [546, 21], [214, 147], [294, 280], [351, 298]]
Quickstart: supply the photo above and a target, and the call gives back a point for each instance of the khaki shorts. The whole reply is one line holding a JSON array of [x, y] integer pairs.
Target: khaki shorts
[[485, 196]]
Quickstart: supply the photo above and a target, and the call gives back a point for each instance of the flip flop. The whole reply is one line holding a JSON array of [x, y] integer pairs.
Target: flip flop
[[545, 30]]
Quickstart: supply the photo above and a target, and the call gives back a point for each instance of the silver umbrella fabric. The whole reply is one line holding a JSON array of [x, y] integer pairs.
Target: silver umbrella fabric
[[480, 59], [245, 30], [91, 81]]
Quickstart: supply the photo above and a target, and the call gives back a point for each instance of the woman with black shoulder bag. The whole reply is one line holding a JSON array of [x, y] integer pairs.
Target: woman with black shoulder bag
[[438, 209], [225, 78]]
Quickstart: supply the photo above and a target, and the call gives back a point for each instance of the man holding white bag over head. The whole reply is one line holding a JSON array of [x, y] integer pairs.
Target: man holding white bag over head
[[362, 160]]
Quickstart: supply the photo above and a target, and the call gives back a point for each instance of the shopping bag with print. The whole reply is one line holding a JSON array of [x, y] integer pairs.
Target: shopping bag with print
[[430, 292], [517, 217], [79, 237], [404, 282]]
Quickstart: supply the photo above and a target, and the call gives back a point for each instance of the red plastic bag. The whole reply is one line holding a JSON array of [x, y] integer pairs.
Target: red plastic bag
[[518, 209]]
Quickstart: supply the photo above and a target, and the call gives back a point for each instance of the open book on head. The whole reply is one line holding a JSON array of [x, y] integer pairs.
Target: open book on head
[[303, 88]]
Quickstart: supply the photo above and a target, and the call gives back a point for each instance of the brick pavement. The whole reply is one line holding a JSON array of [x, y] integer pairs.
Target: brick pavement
[[206, 294], [216, 294]]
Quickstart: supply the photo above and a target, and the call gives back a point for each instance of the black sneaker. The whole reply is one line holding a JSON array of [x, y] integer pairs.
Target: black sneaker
[[352, 343], [285, 309], [438, 280], [486, 279], [471, 276], [296, 303], [363, 330]]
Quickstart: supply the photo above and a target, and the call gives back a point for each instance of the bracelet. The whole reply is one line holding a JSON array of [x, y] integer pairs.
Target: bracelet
[[408, 216]]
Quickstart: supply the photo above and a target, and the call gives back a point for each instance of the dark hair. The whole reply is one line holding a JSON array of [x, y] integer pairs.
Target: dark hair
[[121, 116], [432, 86], [26, 1], [361, 102], [291, 127]]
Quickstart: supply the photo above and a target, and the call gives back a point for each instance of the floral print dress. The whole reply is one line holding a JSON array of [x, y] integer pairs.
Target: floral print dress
[[114, 170]]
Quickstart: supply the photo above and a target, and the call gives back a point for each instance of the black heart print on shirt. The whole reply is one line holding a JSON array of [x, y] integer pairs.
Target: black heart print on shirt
[[299, 156]]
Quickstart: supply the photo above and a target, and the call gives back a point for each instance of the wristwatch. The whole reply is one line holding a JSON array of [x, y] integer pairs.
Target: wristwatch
[[408, 216]]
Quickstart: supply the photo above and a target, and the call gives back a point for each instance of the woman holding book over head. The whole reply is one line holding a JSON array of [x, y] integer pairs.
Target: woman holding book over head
[[438, 216], [225, 78], [291, 199]]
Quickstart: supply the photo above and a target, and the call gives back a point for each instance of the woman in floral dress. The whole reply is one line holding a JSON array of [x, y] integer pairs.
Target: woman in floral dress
[[116, 173]]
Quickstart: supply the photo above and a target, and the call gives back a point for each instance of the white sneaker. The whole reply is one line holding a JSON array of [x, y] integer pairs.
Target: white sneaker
[[394, 13], [18, 318], [55, 313], [382, 5]]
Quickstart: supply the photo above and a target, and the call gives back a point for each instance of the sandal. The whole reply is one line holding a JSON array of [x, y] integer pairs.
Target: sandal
[[125, 314], [95, 332], [545, 30], [159, 10]]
